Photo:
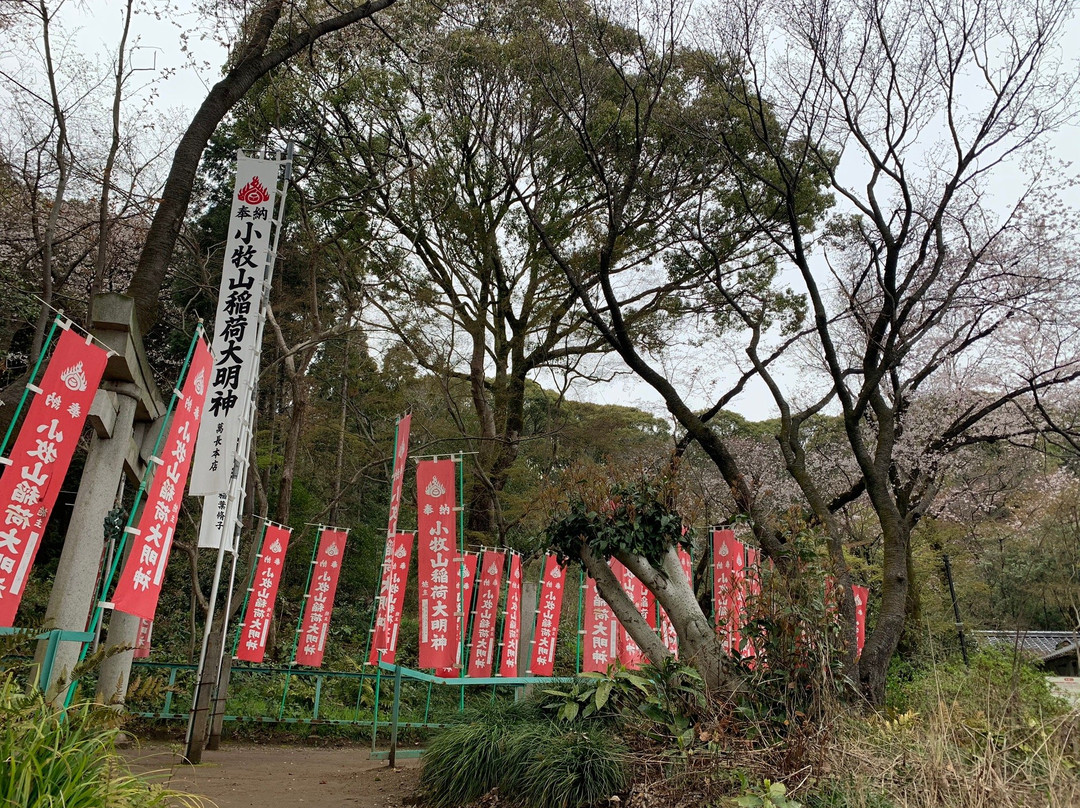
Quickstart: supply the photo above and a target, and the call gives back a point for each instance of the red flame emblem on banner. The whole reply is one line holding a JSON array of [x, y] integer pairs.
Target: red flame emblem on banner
[[254, 193]]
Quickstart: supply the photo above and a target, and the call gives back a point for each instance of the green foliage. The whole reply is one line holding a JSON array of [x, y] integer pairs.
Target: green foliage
[[638, 517], [522, 753], [600, 694], [574, 770], [67, 758], [768, 795], [997, 686], [670, 697]]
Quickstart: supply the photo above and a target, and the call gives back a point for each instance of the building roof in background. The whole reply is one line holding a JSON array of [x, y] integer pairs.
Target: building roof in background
[[1043, 645]]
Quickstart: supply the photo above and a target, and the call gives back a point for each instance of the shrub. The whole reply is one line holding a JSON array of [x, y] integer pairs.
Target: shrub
[[542, 764], [67, 758], [575, 770]]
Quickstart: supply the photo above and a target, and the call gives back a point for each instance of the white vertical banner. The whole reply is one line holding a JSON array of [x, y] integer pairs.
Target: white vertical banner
[[244, 280]]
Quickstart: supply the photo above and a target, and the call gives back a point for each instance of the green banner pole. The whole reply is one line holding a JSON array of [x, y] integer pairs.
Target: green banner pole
[[26, 390]]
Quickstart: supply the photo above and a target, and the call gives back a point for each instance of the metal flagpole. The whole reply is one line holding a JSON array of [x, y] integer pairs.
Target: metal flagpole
[[194, 740]]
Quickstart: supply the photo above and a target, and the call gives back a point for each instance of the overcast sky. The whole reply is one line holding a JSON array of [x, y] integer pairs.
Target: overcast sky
[[159, 51]]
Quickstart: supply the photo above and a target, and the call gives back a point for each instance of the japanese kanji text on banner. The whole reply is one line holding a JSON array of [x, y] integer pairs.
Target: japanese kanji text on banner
[[391, 599], [320, 601], [440, 642], [601, 630], [40, 458], [508, 665], [487, 606], [728, 576], [235, 324], [264, 587], [139, 586], [547, 619]]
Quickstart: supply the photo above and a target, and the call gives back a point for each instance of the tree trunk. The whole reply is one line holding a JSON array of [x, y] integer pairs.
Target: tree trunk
[[292, 444]]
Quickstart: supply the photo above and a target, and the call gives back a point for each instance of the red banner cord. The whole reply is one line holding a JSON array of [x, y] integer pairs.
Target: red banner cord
[[99, 603]]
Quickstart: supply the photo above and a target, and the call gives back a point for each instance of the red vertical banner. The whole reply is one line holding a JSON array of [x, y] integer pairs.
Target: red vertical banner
[[546, 634], [751, 590], [862, 596], [485, 616], [391, 599], [397, 481], [39, 459], [465, 575], [142, 639], [440, 638], [630, 654], [601, 631], [508, 665], [264, 586], [320, 598], [728, 573], [139, 585]]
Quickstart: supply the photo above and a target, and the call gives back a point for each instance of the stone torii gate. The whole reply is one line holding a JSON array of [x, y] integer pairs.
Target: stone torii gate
[[126, 416]]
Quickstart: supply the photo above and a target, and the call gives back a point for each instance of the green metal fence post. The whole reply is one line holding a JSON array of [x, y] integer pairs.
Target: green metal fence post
[[375, 712], [50, 659], [394, 716]]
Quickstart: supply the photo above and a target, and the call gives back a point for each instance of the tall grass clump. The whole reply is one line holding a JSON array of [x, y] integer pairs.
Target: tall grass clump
[[981, 737], [523, 753], [575, 769], [67, 758]]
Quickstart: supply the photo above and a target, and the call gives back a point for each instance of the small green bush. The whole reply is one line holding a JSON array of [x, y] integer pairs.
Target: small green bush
[[540, 763], [575, 770]]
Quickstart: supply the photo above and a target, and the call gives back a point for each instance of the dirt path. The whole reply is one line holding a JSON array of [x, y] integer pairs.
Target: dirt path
[[243, 775]]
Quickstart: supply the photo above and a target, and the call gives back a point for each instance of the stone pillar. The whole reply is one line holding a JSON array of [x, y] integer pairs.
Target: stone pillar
[[72, 598], [115, 671]]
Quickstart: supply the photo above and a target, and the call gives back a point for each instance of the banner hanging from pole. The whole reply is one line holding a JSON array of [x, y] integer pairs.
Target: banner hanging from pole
[[391, 598], [465, 575], [546, 634], [139, 585], [34, 470], [601, 630], [235, 323], [440, 639], [728, 574], [629, 653], [484, 618], [397, 481], [264, 587], [862, 596], [508, 665], [320, 598]]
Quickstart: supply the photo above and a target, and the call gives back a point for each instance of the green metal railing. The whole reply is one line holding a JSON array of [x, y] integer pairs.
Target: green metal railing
[[55, 637], [292, 695]]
